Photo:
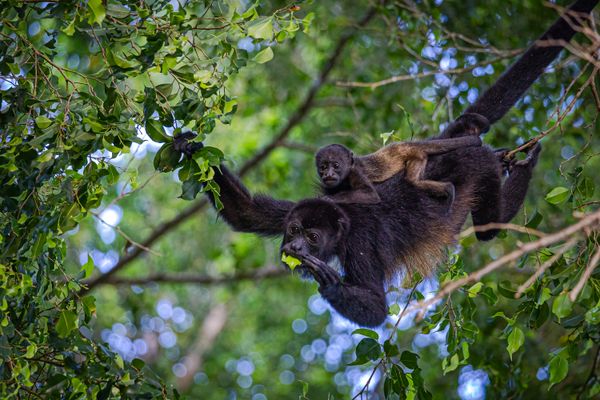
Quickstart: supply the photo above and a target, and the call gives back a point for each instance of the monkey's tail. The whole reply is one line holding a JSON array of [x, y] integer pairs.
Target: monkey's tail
[[498, 99]]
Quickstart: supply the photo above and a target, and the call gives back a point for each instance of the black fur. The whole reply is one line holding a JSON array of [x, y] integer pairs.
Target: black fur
[[372, 240]]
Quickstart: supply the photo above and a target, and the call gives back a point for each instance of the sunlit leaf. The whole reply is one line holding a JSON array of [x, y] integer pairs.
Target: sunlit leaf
[[264, 55], [558, 195], [515, 341]]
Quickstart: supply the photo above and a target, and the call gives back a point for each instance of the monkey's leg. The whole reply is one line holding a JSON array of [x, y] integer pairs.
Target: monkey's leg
[[440, 190], [415, 172], [363, 303], [488, 204], [440, 146], [517, 183], [501, 204]]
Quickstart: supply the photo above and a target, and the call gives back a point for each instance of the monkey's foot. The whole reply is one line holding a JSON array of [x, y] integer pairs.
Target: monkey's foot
[[500, 156], [182, 144]]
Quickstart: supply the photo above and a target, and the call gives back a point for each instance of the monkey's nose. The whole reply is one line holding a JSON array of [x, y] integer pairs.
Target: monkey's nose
[[296, 247]]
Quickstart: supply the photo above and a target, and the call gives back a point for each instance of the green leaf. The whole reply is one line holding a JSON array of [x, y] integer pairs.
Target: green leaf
[[592, 316], [31, 349], [409, 359], [261, 28], [390, 349], [88, 267], [69, 30], [367, 333], [43, 122], [155, 131], [544, 296], [138, 363], [105, 392], [557, 195], [166, 158], [190, 189], [562, 306], [535, 220], [515, 341], [290, 261], [473, 290], [89, 304], [67, 321], [559, 367], [96, 12], [264, 55], [368, 348], [449, 366]]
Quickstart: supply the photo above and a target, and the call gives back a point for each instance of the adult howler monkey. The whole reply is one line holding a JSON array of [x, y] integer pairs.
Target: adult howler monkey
[[407, 226]]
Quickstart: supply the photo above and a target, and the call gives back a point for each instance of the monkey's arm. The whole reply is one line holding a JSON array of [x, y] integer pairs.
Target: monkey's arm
[[246, 213], [362, 190], [508, 89], [361, 302]]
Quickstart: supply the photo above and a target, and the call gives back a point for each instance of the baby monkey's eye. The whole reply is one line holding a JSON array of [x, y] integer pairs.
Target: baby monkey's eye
[[336, 165], [294, 230], [313, 237]]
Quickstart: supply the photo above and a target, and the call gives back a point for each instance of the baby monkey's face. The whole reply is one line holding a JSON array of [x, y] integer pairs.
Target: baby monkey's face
[[333, 165]]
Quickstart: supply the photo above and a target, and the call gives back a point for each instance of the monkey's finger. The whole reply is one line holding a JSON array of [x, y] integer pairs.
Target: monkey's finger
[[330, 275], [316, 273]]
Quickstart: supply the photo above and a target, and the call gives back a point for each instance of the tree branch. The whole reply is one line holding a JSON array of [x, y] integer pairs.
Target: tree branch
[[399, 78], [213, 324], [294, 120], [590, 221], [196, 279]]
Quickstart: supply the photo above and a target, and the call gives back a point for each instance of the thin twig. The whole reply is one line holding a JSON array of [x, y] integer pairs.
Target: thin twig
[[586, 222], [530, 143], [498, 225], [195, 279], [409, 77], [586, 275], [380, 362], [547, 264]]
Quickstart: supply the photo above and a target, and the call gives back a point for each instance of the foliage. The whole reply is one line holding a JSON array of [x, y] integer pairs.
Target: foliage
[[92, 93], [80, 82]]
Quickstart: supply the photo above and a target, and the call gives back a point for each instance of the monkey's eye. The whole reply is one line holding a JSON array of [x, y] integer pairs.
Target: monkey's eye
[[313, 237], [336, 165], [293, 230]]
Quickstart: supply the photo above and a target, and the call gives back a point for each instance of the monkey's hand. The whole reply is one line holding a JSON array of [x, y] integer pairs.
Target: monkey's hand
[[182, 144], [323, 273], [474, 124], [501, 157], [466, 125], [531, 160]]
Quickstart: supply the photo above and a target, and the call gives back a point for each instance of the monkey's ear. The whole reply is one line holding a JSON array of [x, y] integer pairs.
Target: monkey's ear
[[351, 158]]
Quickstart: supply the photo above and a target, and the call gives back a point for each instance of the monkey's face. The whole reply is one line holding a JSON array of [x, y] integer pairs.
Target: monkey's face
[[314, 227], [300, 241], [333, 165]]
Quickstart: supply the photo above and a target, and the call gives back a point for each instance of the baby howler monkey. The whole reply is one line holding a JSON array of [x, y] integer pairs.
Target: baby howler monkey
[[347, 178]]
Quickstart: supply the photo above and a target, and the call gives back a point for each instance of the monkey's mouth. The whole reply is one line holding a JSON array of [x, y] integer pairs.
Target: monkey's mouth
[[330, 181]]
